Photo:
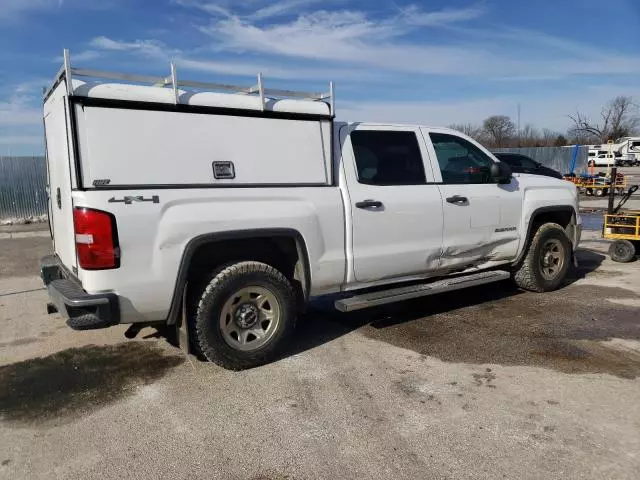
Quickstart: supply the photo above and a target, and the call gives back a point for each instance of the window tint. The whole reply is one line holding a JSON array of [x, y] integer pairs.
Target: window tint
[[461, 161], [387, 158]]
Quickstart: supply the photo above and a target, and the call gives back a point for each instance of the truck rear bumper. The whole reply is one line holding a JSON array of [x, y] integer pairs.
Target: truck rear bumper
[[84, 311]]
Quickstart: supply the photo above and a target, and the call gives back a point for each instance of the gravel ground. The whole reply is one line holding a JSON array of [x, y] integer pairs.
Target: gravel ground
[[485, 383]]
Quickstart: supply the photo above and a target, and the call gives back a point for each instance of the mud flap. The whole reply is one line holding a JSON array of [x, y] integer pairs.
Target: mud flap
[[182, 327]]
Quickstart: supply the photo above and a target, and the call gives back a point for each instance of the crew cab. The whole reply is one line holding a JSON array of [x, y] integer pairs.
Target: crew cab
[[223, 214]]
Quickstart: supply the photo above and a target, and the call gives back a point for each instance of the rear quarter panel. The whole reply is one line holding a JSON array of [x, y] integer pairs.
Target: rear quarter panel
[[153, 236]]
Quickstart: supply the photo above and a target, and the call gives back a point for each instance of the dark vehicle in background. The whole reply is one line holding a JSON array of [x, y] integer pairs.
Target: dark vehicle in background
[[522, 164]]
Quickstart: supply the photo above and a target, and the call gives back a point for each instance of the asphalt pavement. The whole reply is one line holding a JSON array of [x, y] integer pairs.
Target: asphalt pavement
[[484, 383]]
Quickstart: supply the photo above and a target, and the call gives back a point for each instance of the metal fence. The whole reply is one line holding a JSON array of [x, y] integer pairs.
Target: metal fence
[[558, 158], [22, 188], [23, 179]]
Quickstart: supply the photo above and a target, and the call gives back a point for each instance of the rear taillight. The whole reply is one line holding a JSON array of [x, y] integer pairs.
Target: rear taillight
[[96, 239]]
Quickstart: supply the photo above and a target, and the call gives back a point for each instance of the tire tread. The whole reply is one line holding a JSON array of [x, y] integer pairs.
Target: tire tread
[[525, 275], [221, 356]]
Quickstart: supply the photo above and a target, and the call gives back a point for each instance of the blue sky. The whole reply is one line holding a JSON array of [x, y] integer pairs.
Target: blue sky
[[430, 62]]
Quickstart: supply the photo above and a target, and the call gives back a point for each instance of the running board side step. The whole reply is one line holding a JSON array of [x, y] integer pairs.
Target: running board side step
[[383, 297]]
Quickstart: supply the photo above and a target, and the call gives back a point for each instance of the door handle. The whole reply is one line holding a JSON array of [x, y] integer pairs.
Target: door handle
[[457, 199], [369, 204]]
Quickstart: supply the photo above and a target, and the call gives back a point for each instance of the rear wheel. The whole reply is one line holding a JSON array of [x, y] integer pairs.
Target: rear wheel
[[622, 251], [245, 316], [546, 261]]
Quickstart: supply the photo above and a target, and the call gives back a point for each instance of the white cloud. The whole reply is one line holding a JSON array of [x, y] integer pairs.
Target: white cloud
[[153, 48], [208, 7], [84, 56], [285, 7], [415, 16], [253, 7], [384, 44]]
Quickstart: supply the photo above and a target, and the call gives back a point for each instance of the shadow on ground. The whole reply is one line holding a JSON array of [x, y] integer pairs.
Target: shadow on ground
[[566, 330], [75, 381]]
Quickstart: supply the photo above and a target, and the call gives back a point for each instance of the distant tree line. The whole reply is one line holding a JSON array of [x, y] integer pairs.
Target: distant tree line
[[619, 118]]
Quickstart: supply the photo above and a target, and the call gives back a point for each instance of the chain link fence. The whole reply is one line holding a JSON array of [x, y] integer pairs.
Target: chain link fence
[[558, 158], [23, 197]]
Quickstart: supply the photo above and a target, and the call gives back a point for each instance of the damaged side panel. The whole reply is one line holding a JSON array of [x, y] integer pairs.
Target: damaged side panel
[[485, 250]]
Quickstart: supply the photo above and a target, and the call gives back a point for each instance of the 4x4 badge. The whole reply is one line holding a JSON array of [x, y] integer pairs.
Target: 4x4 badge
[[130, 199]]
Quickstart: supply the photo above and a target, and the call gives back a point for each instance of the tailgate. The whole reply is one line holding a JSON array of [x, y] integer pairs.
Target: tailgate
[[59, 175]]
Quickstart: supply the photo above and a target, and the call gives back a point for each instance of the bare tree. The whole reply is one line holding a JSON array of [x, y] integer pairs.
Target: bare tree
[[468, 129], [619, 118], [549, 137], [529, 136], [560, 141], [500, 130]]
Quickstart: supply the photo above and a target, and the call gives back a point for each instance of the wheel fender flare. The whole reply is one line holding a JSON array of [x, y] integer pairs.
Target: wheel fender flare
[[196, 242], [537, 212]]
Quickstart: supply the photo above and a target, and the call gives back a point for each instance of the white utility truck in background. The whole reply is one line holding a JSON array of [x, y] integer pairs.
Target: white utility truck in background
[[624, 152], [222, 214]]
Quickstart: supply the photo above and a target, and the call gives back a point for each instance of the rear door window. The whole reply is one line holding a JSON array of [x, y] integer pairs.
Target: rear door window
[[388, 157]]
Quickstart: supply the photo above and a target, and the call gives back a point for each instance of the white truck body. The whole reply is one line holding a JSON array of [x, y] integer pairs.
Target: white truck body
[[148, 157]]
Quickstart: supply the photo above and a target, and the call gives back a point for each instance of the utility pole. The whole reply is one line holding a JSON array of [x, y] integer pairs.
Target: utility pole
[[519, 131]]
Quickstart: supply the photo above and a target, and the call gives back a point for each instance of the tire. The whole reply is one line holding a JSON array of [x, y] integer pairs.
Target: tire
[[622, 251], [245, 316], [540, 270], [600, 192]]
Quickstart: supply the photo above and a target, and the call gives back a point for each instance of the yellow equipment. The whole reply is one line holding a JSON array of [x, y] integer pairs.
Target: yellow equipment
[[623, 228]]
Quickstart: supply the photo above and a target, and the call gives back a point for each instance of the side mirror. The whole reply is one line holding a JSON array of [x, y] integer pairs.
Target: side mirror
[[501, 172]]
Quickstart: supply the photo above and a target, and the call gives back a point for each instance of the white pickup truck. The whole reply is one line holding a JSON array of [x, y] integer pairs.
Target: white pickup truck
[[224, 213]]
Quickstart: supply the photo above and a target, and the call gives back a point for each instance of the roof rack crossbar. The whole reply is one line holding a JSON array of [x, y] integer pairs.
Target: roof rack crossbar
[[84, 72], [67, 72]]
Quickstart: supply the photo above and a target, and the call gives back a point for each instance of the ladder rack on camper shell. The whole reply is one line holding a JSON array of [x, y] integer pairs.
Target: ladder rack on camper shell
[[67, 72]]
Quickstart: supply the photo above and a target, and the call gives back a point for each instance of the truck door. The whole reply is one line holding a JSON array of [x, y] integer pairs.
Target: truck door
[[396, 210], [481, 217]]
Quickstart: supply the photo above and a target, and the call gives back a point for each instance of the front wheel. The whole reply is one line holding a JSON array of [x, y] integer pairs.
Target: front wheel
[[622, 251], [546, 261], [246, 316]]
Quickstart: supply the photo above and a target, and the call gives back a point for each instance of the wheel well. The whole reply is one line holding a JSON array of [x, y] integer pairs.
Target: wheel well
[[562, 217], [286, 253]]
